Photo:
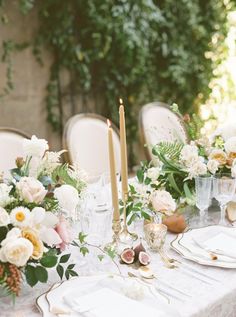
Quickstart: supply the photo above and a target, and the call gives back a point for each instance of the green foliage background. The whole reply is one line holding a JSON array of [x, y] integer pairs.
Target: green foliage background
[[138, 50]]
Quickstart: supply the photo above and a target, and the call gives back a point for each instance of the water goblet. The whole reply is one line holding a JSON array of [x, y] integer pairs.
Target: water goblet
[[203, 187], [224, 186]]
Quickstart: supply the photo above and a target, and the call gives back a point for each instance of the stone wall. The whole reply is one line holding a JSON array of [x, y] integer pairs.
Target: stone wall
[[24, 107]]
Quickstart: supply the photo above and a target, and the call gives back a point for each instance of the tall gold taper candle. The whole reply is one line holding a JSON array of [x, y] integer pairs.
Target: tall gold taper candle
[[125, 236], [114, 191], [123, 148]]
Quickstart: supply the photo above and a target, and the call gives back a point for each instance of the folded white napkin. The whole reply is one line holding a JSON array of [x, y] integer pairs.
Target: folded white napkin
[[107, 303], [221, 243]]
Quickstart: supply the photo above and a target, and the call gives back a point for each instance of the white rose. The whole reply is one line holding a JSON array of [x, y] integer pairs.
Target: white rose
[[212, 166], [162, 201], [50, 237], [31, 190], [17, 251], [4, 217], [35, 147], [230, 145], [219, 156], [189, 155], [153, 173], [198, 168], [5, 197], [67, 197]]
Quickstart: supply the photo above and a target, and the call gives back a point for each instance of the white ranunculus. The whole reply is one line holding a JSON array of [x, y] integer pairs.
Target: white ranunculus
[[4, 217], [50, 236], [153, 173], [16, 251], [67, 197], [213, 166], [35, 147], [5, 197], [189, 155], [230, 145], [162, 201], [37, 215], [31, 190], [198, 168]]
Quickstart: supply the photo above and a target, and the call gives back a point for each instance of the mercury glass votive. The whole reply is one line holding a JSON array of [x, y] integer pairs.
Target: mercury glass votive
[[155, 234]]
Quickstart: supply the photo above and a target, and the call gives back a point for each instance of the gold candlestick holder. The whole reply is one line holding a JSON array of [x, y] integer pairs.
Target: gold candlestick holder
[[125, 236], [116, 228]]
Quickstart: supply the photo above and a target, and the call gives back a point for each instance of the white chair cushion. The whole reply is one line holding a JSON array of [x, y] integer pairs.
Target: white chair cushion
[[87, 143], [10, 148]]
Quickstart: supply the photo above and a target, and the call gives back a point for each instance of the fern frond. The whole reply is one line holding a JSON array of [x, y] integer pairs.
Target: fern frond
[[169, 150]]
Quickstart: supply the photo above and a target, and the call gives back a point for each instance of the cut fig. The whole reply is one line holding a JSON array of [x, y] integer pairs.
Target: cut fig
[[144, 258], [139, 248], [127, 256]]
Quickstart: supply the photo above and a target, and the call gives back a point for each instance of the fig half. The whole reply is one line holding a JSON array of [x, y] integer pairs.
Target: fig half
[[127, 256]]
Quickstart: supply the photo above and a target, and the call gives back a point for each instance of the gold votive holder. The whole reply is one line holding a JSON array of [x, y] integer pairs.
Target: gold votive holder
[[155, 235]]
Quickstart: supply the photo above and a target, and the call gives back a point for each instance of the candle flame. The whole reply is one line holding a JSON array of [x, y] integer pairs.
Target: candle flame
[[121, 101], [108, 123]]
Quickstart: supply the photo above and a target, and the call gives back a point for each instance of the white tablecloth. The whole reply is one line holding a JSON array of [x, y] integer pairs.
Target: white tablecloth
[[214, 300]]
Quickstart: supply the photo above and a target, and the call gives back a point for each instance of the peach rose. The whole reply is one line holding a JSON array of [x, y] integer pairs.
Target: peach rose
[[219, 156], [33, 237], [64, 231], [162, 201], [31, 190]]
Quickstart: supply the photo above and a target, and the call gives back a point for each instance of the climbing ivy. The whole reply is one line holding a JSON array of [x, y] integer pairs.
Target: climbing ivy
[[139, 50]]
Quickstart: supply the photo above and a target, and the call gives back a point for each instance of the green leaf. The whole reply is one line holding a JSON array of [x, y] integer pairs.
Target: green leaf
[[173, 183], [82, 237], [60, 271], [70, 267], [65, 258], [187, 191], [100, 257], [48, 261], [73, 273], [67, 274], [41, 274], [84, 250], [140, 176], [111, 253], [30, 275]]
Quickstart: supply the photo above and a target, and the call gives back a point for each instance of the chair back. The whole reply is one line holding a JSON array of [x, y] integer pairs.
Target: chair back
[[11, 147], [86, 140], [158, 123]]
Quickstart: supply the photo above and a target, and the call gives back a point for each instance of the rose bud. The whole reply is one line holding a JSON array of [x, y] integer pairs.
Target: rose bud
[[20, 162], [186, 118]]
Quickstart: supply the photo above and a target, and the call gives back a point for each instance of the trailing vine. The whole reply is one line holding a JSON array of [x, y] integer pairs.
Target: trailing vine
[[138, 50]]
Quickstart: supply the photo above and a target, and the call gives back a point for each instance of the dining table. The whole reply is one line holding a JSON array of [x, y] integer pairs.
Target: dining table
[[193, 290]]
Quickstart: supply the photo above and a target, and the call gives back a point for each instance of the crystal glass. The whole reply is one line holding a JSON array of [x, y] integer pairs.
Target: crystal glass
[[203, 186], [96, 220], [224, 186]]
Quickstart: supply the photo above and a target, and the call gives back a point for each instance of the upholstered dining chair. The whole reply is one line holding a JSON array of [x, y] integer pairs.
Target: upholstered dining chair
[[157, 123], [10, 148], [86, 140]]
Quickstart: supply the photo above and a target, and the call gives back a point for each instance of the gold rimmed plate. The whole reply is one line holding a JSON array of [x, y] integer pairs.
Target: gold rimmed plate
[[185, 246], [42, 303]]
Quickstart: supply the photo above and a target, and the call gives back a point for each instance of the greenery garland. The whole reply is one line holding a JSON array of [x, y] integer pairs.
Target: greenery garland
[[139, 50]]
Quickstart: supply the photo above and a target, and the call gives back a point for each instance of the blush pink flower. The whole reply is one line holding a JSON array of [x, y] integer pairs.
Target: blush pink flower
[[64, 231]]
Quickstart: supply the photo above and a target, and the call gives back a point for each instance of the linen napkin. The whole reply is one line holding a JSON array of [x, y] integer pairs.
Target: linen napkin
[[106, 303], [221, 243]]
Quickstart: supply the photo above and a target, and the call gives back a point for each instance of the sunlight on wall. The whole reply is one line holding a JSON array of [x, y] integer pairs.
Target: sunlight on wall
[[221, 105]]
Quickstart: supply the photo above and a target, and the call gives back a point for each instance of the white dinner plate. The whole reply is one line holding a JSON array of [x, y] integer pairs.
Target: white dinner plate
[[185, 244], [57, 299]]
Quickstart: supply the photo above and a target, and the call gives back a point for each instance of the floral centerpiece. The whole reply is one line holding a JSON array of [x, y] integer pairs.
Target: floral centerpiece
[[166, 183], [34, 206]]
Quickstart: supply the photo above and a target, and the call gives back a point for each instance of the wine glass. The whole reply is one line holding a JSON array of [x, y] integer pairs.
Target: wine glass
[[224, 186], [203, 185]]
